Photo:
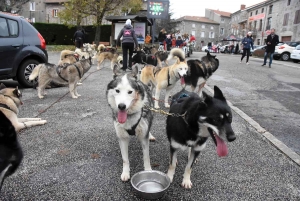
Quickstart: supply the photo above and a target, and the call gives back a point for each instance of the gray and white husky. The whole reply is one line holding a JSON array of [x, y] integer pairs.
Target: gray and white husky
[[126, 96]]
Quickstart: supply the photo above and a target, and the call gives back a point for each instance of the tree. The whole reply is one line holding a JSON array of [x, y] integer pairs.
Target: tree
[[168, 24], [12, 6], [75, 10]]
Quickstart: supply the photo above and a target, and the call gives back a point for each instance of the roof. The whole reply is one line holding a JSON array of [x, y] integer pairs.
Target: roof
[[197, 19], [55, 1], [139, 18], [222, 13]]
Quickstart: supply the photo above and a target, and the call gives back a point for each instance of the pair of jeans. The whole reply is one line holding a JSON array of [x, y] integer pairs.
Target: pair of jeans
[[78, 43], [127, 47], [246, 51], [266, 58]]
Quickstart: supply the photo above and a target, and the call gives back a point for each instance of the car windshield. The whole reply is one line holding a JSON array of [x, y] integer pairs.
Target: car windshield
[[298, 47], [292, 44]]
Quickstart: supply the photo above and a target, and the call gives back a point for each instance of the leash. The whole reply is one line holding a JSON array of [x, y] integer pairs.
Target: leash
[[160, 111]]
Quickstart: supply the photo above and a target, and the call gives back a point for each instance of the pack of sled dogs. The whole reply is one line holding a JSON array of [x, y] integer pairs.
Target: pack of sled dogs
[[194, 116]]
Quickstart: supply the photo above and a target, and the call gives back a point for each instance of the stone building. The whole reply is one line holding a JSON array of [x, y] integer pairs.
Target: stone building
[[204, 29]]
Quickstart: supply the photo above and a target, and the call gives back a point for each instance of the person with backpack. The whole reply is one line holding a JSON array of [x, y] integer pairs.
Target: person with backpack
[[78, 37], [247, 43], [128, 42]]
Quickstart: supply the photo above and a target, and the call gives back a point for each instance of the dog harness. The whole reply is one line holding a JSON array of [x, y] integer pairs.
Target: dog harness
[[58, 71], [132, 130], [169, 78], [6, 107]]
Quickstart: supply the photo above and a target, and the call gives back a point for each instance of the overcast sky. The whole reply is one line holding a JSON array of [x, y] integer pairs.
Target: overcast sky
[[181, 8]]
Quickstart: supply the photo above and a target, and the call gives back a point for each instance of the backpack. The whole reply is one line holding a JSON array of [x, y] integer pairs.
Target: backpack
[[127, 33]]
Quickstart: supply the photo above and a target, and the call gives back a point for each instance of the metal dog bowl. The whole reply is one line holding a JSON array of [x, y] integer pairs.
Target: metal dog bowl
[[150, 184]]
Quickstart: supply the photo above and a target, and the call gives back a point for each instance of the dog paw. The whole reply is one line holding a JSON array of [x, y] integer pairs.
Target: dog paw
[[186, 183], [170, 177], [125, 176], [41, 97], [98, 68], [78, 95], [79, 83], [167, 105], [74, 97], [43, 121], [152, 138]]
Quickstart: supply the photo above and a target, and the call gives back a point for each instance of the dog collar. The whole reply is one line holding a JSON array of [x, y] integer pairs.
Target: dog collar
[[6, 107], [132, 130]]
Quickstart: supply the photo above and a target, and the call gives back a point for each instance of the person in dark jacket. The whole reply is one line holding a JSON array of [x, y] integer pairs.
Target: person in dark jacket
[[247, 44], [179, 42], [272, 41], [128, 42], [78, 37]]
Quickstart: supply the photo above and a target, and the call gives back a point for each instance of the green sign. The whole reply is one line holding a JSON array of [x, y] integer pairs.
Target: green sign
[[158, 9]]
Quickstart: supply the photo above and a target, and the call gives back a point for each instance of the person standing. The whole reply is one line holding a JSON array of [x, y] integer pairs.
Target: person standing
[[148, 39], [247, 43], [128, 42], [78, 37], [162, 37], [272, 41]]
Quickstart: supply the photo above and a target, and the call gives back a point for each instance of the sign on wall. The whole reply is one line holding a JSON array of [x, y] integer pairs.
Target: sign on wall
[[158, 9], [118, 28], [140, 30], [257, 17]]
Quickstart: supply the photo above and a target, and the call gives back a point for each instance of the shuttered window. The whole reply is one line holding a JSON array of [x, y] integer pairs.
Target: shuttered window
[[285, 19], [297, 17]]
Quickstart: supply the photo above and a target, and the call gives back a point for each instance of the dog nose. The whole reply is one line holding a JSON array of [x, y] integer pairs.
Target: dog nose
[[122, 106], [231, 137]]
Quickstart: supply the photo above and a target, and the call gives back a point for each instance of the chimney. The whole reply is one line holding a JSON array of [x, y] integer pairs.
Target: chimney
[[243, 6]]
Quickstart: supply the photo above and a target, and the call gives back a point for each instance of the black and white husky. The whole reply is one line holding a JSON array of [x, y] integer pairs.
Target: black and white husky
[[204, 117], [126, 96]]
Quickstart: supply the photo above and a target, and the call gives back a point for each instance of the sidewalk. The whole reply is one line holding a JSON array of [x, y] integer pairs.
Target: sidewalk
[[76, 155]]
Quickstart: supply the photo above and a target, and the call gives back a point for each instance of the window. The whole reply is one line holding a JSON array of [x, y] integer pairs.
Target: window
[[211, 34], [285, 19], [256, 12], [202, 34], [254, 27], [289, 2], [260, 25], [221, 31], [203, 26], [55, 11], [32, 6], [262, 10], [222, 20], [250, 14], [193, 25], [3, 28], [269, 22], [258, 41], [13, 27], [297, 17], [270, 9], [211, 27], [194, 33], [250, 25]]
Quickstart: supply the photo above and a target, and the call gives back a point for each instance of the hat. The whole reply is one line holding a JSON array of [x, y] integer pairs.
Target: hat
[[128, 22], [249, 32]]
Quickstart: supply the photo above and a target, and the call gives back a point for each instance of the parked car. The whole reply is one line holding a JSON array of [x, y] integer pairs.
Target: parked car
[[284, 51], [295, 56], [22, 48]]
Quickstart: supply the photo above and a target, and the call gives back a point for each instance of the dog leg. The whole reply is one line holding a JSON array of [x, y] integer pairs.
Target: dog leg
[[173, 162], [157, 93], [75, 91], [186, 182], [72, 87], [21, 120], [41, 88], [19, 126], [159, 62], [145, 146], [112, 65], [151, 137], [166, 62], [99, 63], [168, 90], [124, 142]]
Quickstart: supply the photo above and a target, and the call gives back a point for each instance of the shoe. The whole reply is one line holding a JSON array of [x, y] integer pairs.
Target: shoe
[[263, 65], [269, 66], [240, 62], [247, 63], [129, 68]]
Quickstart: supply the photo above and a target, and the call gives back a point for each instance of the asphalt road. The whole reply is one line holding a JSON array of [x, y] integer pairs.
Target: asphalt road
[[76, 156]]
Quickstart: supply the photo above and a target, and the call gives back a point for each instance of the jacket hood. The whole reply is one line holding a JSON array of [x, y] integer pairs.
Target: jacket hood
[[128, 26]]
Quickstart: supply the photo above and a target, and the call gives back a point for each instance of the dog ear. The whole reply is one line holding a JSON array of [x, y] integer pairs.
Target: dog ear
[[17, 93], [116, 71], [2, 86], [135, 72], [218, 94]]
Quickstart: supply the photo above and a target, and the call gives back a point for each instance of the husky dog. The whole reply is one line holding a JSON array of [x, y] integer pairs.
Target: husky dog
[[67, 56], [11, 153], [202, 117], [126, 96], [103, 54], [155, 58], [200, 71], [10, 100], [66, 74], [165, 78]]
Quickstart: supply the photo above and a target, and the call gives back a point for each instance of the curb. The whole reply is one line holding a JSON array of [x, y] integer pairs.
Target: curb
[[271, 138]]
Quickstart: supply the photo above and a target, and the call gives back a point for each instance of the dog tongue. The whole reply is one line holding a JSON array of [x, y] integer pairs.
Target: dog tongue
[[182, 80], [222, 149], [122, 117]]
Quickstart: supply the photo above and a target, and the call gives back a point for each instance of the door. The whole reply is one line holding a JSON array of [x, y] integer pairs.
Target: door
[[11, 43], [286, 38]]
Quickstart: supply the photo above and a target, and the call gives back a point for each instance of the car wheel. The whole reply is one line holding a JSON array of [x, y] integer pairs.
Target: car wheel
[[295, 60], [24, 72], [285, 56], [276, 58]]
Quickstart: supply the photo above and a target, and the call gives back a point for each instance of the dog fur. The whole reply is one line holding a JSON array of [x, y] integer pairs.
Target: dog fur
[[126, 96], [103, 54], [69, 74], [10, 99], [67, 56], [165, 78], [11, 153], [155, 58], [200, 71], [202, 118]]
